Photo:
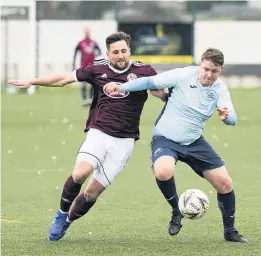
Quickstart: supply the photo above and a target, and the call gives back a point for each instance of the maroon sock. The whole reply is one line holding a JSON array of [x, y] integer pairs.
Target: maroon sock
[[70, 192], [80, 207]]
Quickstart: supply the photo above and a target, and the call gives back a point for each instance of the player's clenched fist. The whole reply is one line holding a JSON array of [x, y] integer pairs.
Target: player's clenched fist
[[223, 113], [112, 88]]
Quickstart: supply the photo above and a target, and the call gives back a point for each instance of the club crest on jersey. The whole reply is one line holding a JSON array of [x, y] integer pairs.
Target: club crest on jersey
[[211, 95], [118, 96], [131, 76]]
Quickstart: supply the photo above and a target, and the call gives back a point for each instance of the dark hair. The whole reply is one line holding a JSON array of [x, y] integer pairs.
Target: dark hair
[[117, 36], [214, 55]]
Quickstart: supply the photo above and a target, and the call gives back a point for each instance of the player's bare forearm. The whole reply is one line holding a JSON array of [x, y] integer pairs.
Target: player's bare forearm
[[54, 81], [51, 81], [161, 94]]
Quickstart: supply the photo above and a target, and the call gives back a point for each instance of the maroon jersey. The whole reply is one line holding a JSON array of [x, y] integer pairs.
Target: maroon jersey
[[118, 116], [89, 50]]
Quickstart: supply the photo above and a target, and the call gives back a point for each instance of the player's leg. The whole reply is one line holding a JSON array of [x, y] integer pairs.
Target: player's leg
[[164, 159], [221, 181], [70, 191], [74, 183], [90, 155], [86, 200], [105, 173], [103, 177], [208, 164]]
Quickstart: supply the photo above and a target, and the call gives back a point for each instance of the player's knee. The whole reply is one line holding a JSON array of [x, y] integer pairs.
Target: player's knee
[[81, 171], [79, 176], [163, 173], [224, 185], [93, 190], [220, 179], [91, 196], [164, 167]]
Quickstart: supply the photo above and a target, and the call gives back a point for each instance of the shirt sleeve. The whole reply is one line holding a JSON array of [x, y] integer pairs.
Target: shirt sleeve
[[164, 80], [84, 74], [150, 71], [224, 100], [169, 78]]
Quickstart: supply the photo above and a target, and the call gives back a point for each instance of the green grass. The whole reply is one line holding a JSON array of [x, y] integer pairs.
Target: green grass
[[131, 217]]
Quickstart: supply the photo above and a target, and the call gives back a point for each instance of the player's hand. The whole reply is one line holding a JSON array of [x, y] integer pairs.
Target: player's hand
[[223, 113], [112, 88], [21, 84]]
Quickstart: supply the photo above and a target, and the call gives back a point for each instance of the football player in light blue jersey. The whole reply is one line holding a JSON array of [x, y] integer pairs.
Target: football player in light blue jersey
[[195, 93]]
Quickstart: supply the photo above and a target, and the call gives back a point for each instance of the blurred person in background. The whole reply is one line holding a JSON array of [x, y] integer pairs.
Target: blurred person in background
[[89, 51]]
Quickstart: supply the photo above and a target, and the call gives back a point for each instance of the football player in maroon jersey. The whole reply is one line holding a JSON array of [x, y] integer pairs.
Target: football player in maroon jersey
[[112, 128]]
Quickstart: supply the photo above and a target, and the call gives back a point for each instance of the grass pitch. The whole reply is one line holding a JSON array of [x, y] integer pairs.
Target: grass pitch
[[40, 137]]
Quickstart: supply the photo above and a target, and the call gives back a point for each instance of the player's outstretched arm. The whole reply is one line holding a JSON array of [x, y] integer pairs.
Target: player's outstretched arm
[[51, 81], [163, 80], [139, 84]]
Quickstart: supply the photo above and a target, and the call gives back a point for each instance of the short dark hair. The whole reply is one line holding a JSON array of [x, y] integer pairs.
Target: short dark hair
[[117, 36], [214, 55]]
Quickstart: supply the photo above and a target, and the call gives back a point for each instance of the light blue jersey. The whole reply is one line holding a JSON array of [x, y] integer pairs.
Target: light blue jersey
[[189, 106]]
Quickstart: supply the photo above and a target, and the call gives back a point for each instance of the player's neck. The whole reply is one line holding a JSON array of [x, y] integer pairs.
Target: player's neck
[[205, 85], [117, 70], [128, 66]]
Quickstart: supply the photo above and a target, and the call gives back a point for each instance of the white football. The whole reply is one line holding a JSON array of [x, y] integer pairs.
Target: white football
[[193, 204]]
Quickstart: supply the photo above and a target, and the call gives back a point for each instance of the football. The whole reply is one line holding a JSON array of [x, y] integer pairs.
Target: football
[[193, 204]]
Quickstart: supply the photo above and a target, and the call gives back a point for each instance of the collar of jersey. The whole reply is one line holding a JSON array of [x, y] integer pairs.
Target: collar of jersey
[[120, 71]]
